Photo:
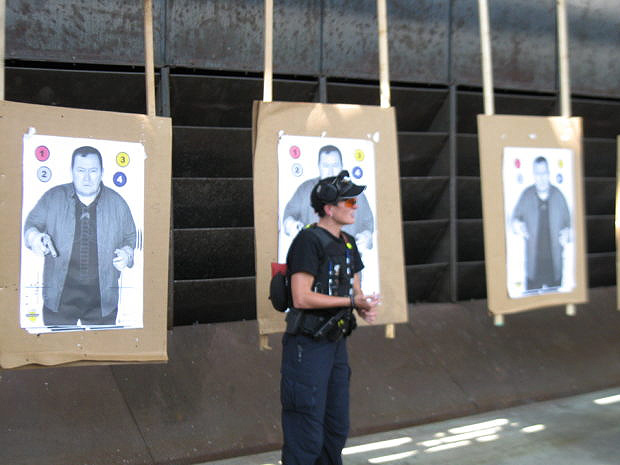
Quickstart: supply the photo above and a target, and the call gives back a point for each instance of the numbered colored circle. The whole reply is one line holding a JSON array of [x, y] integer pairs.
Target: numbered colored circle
[[561, 163], [297, 169], [357, 172], [120, 179], [122, 159], [559, 178], [518, 163], [44, 174], [359, 155], [42, 153], [295, 152]]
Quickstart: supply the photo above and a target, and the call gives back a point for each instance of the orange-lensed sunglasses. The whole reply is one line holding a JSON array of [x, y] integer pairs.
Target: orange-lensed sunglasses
[[350, 202]]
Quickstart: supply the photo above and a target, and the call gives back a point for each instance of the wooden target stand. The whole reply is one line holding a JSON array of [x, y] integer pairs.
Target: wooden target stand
[[487, 79], [147, 343]]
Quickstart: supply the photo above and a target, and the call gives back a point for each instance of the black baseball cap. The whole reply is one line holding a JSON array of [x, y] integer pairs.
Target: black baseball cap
[[334, 189]]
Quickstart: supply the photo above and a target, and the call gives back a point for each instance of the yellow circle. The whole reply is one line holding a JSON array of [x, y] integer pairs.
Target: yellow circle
[[561, 164], [122, 159], [359, 155]]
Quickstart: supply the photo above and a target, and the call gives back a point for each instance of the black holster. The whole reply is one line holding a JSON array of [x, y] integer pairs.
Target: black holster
[[321, 325]]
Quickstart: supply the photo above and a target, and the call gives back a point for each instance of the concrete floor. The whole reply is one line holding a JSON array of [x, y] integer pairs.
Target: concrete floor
[[580, 430]]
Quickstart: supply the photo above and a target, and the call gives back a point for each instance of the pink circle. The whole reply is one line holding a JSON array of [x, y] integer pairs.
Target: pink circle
[[42, 153], [518, 163], [295, 152]]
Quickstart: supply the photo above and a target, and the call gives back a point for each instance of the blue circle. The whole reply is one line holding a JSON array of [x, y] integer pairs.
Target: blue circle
[[559, 178], [358, 172], [520, 178], [119, 179]]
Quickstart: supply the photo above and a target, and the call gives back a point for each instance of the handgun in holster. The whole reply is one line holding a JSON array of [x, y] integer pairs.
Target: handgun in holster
[[335, 327]]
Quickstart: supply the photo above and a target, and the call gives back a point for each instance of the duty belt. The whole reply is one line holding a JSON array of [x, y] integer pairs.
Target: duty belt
[[320, 325]]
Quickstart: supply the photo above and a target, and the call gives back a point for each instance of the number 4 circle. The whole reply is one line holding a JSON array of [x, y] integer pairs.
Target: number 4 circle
[[119, 179]]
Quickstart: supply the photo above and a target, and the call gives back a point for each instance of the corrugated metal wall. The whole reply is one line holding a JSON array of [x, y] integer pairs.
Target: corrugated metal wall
[[431, 41]]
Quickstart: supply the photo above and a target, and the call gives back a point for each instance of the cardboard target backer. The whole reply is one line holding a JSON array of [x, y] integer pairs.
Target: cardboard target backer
[[86, 233], [533, 211], [295, 145]]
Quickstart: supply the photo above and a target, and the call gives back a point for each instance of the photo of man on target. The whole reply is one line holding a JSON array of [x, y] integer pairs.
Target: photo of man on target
[[539, 199], [299, 212], [302, 162], [87, 238]]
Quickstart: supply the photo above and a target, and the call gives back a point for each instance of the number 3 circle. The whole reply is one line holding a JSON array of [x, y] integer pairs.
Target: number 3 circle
[[122, 159]]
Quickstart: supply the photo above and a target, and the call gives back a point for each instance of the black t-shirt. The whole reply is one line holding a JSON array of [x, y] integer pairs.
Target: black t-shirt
[[331, 264]]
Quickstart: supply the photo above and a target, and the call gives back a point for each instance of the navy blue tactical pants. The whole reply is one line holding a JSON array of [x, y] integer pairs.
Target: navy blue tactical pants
[[315, 400]]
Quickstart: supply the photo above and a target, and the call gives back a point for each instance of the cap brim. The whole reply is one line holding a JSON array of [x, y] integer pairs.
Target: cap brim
[[353, 191]]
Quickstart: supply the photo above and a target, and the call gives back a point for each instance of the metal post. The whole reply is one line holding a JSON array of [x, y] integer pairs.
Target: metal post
[[322, 89], [322, 77], [164, 91], [453, 138], [452, 135], [617, 222]]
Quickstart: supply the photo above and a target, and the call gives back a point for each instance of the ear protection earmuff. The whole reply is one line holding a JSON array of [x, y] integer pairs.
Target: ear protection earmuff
[[329, 192]]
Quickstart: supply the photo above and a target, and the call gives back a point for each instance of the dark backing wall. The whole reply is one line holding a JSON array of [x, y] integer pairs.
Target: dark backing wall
[[88, 55]]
